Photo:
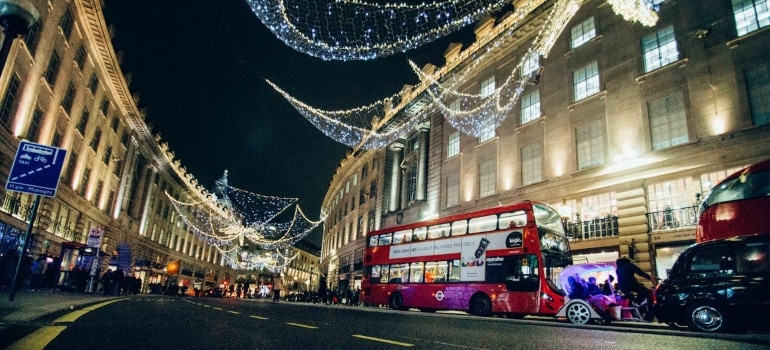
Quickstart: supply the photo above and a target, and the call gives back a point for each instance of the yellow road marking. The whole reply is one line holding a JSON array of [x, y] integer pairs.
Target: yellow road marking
[[217, 308], [206, 305], [301, 325], [258, 317], [38, 339], [94, 307], [382, 340], [71, 317], [234, 312]]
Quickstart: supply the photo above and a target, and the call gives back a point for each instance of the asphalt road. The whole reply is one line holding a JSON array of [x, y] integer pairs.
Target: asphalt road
[[211, 323]]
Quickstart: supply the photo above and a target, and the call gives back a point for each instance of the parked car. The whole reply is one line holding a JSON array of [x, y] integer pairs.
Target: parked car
[[718, 286]]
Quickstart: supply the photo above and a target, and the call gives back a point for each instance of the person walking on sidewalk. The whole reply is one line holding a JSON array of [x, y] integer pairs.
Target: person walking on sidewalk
[[277, 286]]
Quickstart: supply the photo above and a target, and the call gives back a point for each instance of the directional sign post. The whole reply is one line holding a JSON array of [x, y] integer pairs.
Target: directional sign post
[[35, 170]]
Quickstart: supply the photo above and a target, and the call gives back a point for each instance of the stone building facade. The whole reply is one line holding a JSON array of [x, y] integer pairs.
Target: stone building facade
[[621, 127]]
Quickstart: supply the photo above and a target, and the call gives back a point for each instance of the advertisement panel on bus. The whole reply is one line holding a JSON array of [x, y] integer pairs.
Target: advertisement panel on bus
[[737, 206]]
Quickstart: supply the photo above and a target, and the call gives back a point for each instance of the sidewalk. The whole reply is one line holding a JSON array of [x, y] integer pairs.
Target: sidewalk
[[28, 306]]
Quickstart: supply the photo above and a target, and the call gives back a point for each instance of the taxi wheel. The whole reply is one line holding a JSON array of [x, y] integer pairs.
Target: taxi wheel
[[396, 301], [706, 317], [578, 313]]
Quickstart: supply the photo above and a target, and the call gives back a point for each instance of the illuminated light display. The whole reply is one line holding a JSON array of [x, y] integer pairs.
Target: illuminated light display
[[246, 217], [358, 30], [364, 127]]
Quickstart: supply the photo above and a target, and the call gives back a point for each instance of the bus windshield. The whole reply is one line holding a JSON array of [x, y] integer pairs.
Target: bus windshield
[[747, 185]]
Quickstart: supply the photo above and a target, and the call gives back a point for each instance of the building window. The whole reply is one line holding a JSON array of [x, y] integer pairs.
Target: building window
[[583, 32], [9, 101], [758, 86], [83, 122], [373, 189], [487, 132], [487, 178], [531, 63], [590, 145], [364, 172], [667, 200], [34, 125], [105, 107], [70, 171], [598, 206], [750, 15], [659, 49], [453, 145], [531, 164], [57, 138], [69, 98], [53, 69], [93, 83], [411, 183], [80, 57], [530, 107], [668, 124], [488, 87], [586, 81], [107, 155], [96, 139], [32, 37], [66, 23], [84, 182], [452, 190]]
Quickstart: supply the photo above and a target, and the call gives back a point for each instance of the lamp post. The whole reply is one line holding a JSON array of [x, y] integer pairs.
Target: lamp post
[[15, 16]]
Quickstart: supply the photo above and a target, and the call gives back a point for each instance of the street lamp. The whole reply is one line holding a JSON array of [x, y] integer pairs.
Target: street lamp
[[15, 16]]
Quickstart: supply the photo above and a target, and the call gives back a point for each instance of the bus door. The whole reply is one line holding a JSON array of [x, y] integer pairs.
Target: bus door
[[521, 276]]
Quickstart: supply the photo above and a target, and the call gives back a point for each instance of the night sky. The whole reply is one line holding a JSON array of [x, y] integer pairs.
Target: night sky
[[199, 69]]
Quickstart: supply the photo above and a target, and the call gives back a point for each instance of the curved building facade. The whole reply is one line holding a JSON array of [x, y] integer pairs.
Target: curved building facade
[[621, 127], [63, 86]]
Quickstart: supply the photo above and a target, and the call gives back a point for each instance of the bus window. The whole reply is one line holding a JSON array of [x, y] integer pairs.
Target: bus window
[[373, 241], [483, 224], [417, 273], [420, 233], [513, 220], [384, 269], [438, 231], [454, 271], [435, 271], [399, 273], [375, 275], [384, 239], [521, 273], [404, 236], [459, 228]]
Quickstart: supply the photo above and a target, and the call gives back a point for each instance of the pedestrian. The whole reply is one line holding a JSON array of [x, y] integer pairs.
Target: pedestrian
[[106, 281], [117, 281], [51, 274], [37, 270], [277, 286], [8, 264], [322, 290]]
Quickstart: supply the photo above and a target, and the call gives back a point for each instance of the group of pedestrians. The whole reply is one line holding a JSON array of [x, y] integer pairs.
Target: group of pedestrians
[[32, 274], [118, 283]]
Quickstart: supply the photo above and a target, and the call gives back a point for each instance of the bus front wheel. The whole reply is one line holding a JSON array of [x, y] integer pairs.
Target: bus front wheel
[[481, 305], [396, 301]]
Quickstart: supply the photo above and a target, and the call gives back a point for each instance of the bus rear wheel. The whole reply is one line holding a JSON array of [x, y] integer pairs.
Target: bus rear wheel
[[396, 301], [481, 305]]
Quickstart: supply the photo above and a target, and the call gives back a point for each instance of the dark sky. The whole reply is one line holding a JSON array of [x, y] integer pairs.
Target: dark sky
[[199, 68]]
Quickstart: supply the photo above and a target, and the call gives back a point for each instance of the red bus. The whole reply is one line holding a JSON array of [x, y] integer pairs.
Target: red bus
[[504, 260], [737, 206]]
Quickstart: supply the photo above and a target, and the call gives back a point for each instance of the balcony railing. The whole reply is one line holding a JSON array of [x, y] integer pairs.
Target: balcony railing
[[596, 228], [670, 219], [14, 206]]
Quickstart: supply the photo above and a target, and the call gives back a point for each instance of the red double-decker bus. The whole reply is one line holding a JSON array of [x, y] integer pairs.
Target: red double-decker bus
[[504, 260]]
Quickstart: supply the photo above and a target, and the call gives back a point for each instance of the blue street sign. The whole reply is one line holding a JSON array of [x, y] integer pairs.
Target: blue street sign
[[36, 169]]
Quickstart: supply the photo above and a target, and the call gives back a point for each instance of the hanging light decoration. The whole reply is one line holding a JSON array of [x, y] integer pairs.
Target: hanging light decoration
[[362, 127], [357, 30], [247, 217]]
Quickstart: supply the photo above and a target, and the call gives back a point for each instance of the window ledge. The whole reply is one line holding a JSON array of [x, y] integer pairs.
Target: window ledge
[[539, 120], [492, 140], [600, 95], [676, 64], [737, 41]]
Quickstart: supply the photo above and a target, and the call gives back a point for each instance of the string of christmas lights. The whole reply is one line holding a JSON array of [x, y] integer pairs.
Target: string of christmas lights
[[358, 30], [472, 114]]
